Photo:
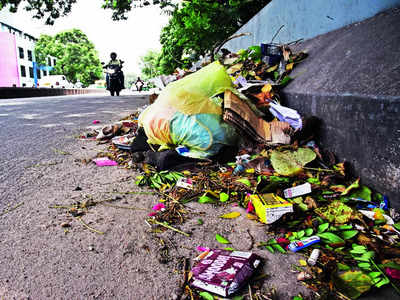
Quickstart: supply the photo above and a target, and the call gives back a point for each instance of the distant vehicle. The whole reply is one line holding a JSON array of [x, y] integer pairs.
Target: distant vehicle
[[55, 81]]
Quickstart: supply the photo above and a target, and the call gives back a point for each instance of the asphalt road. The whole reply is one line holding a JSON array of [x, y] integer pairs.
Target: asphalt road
[[32, 128]]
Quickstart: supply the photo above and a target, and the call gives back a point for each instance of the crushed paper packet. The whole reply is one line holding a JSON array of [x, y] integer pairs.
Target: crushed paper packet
[[224, 272]]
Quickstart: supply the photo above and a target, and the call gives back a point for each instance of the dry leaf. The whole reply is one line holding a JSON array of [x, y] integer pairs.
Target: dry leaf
[[251, 217], [289, 66], [231, 215]]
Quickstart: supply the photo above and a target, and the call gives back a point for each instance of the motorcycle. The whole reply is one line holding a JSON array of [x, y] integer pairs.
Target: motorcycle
[[114, 84]]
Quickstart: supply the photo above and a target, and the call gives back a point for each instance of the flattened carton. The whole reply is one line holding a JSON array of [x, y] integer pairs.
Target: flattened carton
[[270, 207]]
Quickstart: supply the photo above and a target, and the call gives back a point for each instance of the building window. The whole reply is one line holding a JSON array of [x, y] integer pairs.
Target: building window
[[44, 73], [23, 71], [29, 55], [54, 62], [49, 61], [21, 52], [38, 74], [30, 72]]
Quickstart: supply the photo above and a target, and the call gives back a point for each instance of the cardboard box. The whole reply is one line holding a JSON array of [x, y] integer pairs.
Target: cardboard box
[[270, 207]]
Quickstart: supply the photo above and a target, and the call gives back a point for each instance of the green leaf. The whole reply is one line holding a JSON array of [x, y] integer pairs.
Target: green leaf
[[397, 226], [289, 163], [345, 227], [245, 181], [392, 265], [376, 280], [300, 234], [238, 298], [279, 179], [229, 249], [358, 251], [298, 298], [369, 255], [374, 274], [205, 199], [206, 296], [323, 227], [309, 231], [223, 197], [353, 283], [343, 267], [359, 247], [364, 265], [382, 282], [200, 221], [285, 81], [313, 181], [221, 239], [363, 192], [279, 248], [348, 234], [270, 249], [331, 238]]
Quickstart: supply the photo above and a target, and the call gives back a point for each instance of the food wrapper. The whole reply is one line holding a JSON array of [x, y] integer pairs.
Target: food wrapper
[[270, 207], [224, 272]]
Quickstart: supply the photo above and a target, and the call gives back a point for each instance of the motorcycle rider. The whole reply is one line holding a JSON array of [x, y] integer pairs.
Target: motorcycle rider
[[115, 62]]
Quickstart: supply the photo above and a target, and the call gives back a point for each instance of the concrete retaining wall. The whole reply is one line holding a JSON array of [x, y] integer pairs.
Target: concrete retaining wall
[[305, 19], [12, 92]]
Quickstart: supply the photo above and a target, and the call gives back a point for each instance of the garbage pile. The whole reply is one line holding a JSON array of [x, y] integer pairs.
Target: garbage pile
[[221, 136]]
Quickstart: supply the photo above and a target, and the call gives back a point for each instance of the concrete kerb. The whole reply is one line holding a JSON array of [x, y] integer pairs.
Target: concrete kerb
[[362, 130]]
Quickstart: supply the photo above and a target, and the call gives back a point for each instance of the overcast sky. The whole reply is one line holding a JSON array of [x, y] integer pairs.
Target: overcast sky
[[130, 39]]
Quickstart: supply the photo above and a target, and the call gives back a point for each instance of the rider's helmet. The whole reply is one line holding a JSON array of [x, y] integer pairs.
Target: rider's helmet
[[113, 55]]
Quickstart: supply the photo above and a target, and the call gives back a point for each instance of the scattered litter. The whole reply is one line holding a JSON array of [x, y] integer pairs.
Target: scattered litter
[[105, 161], [221, 136]]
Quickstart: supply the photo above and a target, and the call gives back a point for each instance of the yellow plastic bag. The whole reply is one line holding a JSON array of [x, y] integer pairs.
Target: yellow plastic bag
[[191, 95]]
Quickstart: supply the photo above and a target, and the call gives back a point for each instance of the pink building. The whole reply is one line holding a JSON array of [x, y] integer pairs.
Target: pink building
[[9, 70], [17, 58]]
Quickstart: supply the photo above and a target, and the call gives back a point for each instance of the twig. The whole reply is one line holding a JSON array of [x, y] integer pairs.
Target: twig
[[252, 240], [41, 165], [61, 206], [61, 152], [169, 227], [88, 227], [136, 193], [11, 209], [384, 275], [123, 207], [250, 295], [280, 28], [227, 40], [319, 169]]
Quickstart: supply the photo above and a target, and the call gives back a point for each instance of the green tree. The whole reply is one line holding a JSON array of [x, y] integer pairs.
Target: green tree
[[197, 27], [53, 9], [149, 64], [76, 56]]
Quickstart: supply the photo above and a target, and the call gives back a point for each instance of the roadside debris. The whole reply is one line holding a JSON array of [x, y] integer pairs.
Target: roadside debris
[[221, 136]]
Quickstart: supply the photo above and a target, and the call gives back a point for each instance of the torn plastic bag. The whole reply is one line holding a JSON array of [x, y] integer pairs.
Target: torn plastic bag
[[286, 114]]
